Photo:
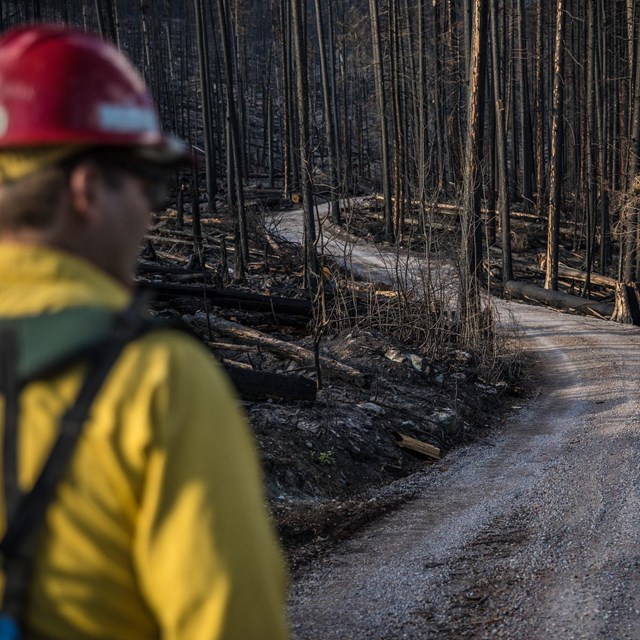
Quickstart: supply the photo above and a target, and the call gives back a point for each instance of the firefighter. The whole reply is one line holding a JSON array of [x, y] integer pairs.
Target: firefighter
[[132, 505]]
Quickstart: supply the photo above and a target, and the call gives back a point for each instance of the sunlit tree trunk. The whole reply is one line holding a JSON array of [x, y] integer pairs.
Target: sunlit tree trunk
[[557, 143]]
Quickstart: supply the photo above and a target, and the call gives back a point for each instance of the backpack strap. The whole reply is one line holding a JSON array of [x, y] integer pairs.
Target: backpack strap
[[26, 512], [9, 387], [48, 342]]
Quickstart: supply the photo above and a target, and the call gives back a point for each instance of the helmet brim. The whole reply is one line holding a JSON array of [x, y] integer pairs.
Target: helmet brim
[[172, 152]]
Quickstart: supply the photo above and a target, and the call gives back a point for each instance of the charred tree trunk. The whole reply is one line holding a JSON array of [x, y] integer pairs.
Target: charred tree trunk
[[334, 199], [233, 138], [501, 148], [205, 95], [472, 185], [631, 230], [399, 168], [305, 151], [382, 113], [526, 164], [590, 169], [557, 144], [603, 111], [442, 156], [541, 182]]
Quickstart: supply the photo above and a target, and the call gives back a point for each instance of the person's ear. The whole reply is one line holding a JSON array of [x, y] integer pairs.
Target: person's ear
[[84, 191]]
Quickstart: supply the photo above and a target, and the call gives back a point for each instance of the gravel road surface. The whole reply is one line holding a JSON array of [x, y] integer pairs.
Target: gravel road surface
[[533, 534]]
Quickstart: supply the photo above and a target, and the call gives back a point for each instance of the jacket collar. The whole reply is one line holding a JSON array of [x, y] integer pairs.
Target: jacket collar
[[35, 278]]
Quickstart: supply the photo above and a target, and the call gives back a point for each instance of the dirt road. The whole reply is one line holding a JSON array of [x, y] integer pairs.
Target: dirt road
[[534, 534]]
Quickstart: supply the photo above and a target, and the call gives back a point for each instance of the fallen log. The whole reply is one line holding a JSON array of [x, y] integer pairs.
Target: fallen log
[[423, 448], [152, 267], [557, 299], [286, 350], [228, 346], [577, 274], [172, 257], [454, 209], [168, 239], [266, 196], [231, 299], [181, 275], [259, 385]]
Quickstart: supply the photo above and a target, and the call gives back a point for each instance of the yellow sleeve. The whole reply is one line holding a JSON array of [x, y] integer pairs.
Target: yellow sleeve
[[209, 565]]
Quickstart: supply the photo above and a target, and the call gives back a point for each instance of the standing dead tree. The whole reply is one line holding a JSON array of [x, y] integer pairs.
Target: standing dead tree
[[630, 261], [305, 150], [501, 147], [235, 188], [540, 158], [526, 146], [472, 183], [205, 95], [381, 101], [557, 144], [327, 97]]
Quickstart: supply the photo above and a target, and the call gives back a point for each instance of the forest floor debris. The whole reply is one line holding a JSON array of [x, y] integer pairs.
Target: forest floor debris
[[334, 464]]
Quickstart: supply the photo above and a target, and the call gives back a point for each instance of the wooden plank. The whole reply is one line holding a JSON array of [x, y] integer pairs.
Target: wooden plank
[[423, 448]]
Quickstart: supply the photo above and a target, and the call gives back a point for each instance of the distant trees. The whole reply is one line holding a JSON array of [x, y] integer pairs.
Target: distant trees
[[321, 98]]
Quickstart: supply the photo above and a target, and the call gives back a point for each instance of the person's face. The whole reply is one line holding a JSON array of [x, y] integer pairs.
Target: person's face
[[110, 213], [125, 217]]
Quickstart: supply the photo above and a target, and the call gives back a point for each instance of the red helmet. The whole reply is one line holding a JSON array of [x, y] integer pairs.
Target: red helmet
[[60, 86]]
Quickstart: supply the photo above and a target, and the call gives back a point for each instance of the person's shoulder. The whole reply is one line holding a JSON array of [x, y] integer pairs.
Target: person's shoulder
[[178, 379], [170, 337], [173, 365], [186, 356], [175, 345]]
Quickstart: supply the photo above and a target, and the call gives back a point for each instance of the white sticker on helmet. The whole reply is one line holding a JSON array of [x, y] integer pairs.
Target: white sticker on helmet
[[4, 121], [126, 119]]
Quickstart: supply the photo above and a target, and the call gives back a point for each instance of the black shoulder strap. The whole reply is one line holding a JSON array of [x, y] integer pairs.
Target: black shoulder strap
[[26, 512], [9, 387]]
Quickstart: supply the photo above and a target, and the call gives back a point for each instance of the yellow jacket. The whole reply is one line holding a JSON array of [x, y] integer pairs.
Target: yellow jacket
[[159, 528]]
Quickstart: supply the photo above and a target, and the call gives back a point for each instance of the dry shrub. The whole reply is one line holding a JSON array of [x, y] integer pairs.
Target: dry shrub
[[519, 240], [421, 313]]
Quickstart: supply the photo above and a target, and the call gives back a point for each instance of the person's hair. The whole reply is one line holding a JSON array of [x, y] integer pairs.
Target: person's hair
[[31, 201]]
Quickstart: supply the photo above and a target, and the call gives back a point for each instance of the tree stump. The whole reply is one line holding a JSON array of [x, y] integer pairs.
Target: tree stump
[[627, 306]]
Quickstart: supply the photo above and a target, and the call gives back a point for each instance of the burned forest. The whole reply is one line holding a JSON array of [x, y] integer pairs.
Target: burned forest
[[369, 177]]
